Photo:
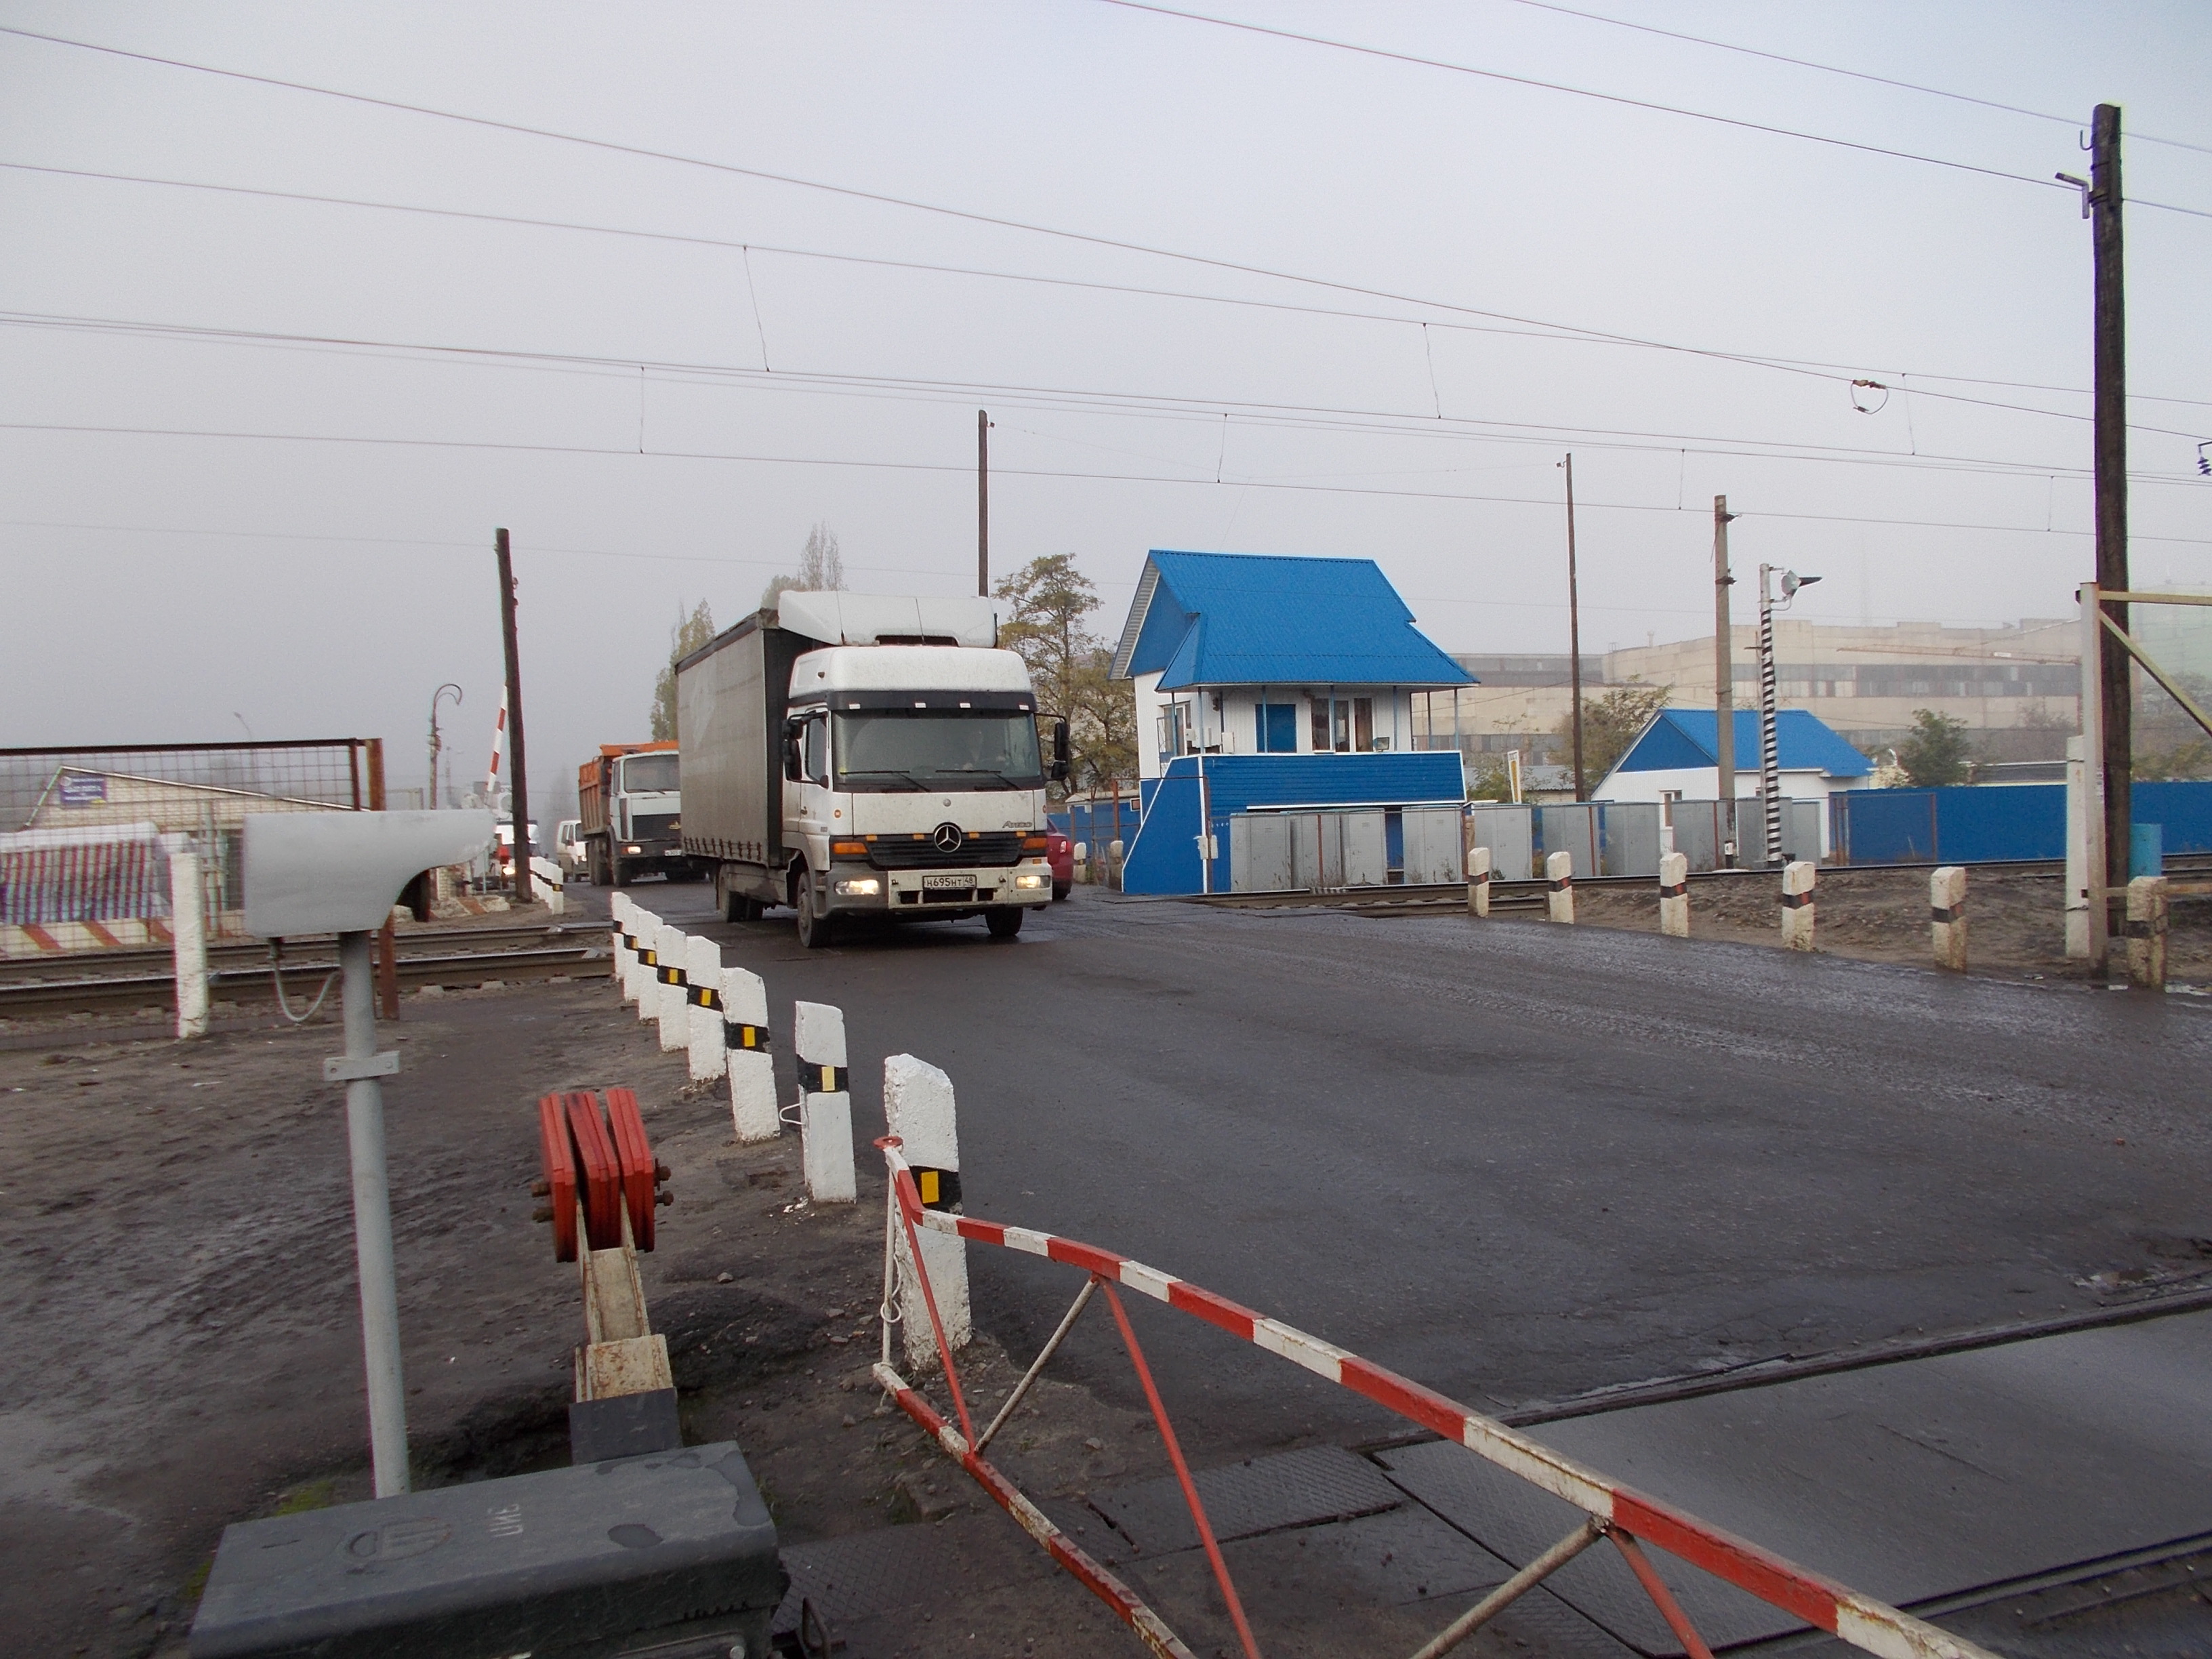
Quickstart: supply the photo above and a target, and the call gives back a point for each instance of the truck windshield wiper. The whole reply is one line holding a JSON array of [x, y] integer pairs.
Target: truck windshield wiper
[[985, 772], [913, 783]]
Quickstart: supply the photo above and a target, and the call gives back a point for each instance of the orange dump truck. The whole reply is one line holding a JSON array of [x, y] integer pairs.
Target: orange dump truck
[[630, 802]]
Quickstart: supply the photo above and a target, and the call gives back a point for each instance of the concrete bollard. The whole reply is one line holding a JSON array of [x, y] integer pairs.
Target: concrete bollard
[[1114, 853], [1674, 894], [2146, 923], [1478, 881], [703, 990], [547, 875], [1559, 874], [918, 1106], [1797, 904], [644, 980], [825, 1103], [1083, 862], [672, 1007], [753, 1114], [188, 939], [624, 947], [1946, 916]]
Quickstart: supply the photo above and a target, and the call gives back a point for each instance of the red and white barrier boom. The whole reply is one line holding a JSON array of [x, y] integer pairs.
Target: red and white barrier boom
[[1618, 1514]]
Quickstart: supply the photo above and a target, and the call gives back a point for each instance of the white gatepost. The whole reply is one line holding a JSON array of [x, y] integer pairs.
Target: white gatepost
[[620, 909], [1946, 916], [1674, 894], [645, 977], [702, 989], [825, 1103], [918, 1106], [188, 937], [672, 1008], [2147, 904], [1478, 881], [1559, 876], [547, 874], [1797, 904], [753, 1114], [2077, 854]]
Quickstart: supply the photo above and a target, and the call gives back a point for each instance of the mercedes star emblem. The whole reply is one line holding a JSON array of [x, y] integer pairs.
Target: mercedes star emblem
[[946, 837]]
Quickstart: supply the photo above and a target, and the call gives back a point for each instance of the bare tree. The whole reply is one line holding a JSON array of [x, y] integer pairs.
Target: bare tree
[[691, 631], [821, 568]]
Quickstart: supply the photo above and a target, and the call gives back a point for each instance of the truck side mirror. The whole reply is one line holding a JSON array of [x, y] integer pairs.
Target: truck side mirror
[[1059, 759]]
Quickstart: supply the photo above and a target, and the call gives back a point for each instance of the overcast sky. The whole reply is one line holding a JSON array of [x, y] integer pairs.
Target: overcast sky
[[658, 419]]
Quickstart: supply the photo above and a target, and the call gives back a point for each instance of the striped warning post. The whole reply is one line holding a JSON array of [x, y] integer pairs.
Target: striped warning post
[[1865, 1623]]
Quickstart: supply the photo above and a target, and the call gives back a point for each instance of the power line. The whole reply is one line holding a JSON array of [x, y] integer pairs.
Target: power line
[[964, 470], [1149, 406], [1616, 98], [1531, 329], [1855, 75]]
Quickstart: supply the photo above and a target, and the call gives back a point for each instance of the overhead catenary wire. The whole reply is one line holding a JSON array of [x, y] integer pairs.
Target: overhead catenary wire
[[1506, 324], [1852, 73], [1736, 122], [966, 471]]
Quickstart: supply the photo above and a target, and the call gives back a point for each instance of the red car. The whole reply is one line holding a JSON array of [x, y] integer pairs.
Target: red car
[[1060, 852]]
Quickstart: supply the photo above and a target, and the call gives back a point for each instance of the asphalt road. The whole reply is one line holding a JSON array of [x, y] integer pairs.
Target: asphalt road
[[1512, 1161]]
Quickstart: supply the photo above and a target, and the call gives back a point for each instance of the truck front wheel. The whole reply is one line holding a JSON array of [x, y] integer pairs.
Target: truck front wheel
[[814, 926], [1004, 921]]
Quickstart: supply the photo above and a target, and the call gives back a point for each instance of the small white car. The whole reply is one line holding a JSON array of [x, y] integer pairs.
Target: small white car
[[568, 850]]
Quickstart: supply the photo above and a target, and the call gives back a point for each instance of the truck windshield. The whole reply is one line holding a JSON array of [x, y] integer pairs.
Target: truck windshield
[[901, 749], [647, 774]]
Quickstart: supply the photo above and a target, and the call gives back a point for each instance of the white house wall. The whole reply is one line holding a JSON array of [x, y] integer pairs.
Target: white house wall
[[1239, 715]]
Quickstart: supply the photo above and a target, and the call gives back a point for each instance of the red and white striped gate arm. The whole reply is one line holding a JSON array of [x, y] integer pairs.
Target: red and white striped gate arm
[[1871, 1626]]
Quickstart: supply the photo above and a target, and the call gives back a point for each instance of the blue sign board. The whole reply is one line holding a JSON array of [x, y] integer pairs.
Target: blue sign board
[[83, 789]]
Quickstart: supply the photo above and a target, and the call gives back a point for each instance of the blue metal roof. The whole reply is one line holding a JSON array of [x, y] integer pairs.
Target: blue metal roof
[[1680, 739], [1266, 619]]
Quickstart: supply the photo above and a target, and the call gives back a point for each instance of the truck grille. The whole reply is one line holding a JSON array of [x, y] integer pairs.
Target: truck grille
[[653, 826], [986, 849]]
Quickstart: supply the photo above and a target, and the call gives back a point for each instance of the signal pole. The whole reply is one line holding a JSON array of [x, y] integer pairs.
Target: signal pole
[[2111, 366], [1723, 681], [982, 504], [514, 720], [1574, 634]]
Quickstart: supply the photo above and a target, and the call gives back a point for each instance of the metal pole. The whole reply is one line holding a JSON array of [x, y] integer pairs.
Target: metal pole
[[371, 1225], [1723, 681], [982, 504], [1574, 636], [2110, 446], [1769, 749], [514, 723]]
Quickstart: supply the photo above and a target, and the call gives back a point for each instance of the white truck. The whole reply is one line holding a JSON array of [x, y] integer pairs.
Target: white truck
[[858, 757]]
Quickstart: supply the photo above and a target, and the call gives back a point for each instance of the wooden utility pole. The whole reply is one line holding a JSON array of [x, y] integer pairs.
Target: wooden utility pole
[[2111, 369], [1574, 634], [1724, 679], [982, 504], [521, 785]]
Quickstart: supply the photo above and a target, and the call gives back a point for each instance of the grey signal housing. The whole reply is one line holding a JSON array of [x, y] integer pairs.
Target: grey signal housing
[[341, 872]]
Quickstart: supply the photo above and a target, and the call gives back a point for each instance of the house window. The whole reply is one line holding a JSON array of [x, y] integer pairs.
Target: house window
[[1275, 728], [1346, 725], [1172, 729]]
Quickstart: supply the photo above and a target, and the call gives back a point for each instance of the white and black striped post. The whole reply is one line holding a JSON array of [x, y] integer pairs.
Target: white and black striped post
[[2147, 904], [1559, 886], [825, 1103], [1674, 894], [1770, 744], [703, 991], [672, 1009], [1946, 916], [645, 928], [1797, 904], [623, 945], [918, 1107], [753, 1114], [1478, 881]]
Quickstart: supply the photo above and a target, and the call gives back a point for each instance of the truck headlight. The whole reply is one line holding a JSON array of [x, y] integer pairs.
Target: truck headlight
[[1029, 880], [633, 849], [859, 887]]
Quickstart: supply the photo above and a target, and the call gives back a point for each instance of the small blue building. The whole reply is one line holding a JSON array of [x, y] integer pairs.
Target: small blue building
[[1676, 757], [1264, 680]]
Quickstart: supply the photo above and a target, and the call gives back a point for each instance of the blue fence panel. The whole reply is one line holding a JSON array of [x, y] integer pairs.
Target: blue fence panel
[[1996, 822], [2185, 810]]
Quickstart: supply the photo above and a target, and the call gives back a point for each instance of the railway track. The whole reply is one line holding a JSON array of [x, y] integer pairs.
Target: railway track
[[451, 957]]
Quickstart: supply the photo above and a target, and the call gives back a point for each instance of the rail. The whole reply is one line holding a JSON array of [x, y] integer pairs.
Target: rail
[[1611, 1512]]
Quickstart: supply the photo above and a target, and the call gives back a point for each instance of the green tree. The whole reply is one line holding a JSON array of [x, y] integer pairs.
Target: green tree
[[691, 631], [1489, 780], [1935, 753], [1049, 604], [1610, 724], [821, 566]]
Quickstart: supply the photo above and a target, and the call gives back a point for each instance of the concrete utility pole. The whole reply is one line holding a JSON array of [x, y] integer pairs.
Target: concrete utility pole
[[982, 504], [2110, 367], [514, 721], [1574, 634], [1723, 680]]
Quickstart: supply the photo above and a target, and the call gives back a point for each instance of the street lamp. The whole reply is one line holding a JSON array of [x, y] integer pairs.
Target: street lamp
[[1769, 749], [438, 696]]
